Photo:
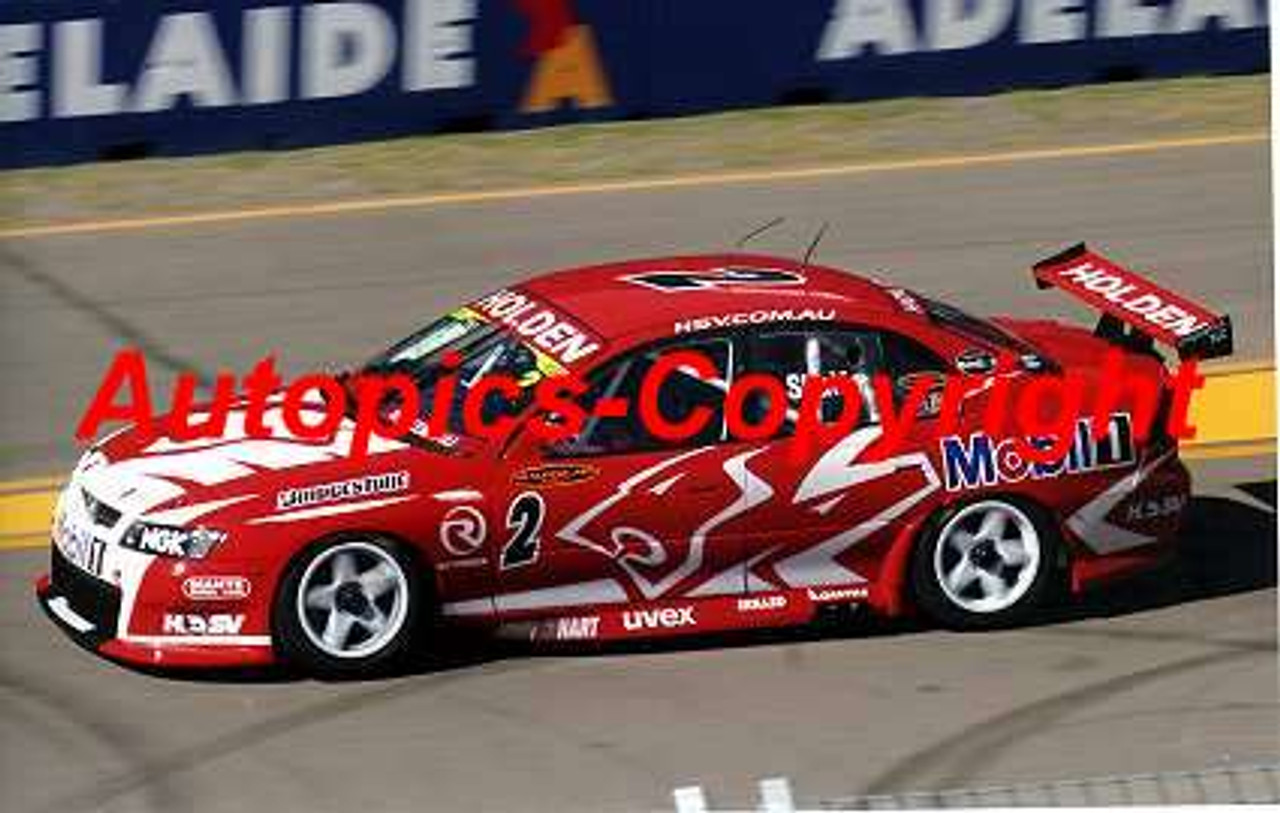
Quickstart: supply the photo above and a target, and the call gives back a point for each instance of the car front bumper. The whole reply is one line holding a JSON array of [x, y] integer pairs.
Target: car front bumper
[[88, 611]]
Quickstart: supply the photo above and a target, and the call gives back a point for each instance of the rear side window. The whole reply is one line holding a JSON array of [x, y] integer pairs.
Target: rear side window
[[794, 356], [903, 356]]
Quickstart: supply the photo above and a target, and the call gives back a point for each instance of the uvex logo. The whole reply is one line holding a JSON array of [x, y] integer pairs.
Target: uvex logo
[[666, 618]]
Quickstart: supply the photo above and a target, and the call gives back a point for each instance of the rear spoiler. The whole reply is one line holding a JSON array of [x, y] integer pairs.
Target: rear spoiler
[[1127, 298]]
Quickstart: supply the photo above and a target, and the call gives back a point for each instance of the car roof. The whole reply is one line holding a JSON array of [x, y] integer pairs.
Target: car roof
[[608, 300]]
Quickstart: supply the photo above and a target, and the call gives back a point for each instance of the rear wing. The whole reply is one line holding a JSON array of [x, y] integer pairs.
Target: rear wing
[[1127, 298]]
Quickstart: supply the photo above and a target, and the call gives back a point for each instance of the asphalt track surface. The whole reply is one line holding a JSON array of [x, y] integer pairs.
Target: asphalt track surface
[[1177, 671]]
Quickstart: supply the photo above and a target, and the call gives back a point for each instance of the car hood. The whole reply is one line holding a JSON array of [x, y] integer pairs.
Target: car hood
[[173, 481]]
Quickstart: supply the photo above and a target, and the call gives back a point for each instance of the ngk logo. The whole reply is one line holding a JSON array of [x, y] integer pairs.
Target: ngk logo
[[666, 618]]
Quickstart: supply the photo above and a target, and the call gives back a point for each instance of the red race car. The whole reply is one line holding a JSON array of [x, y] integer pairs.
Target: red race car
[[242, 549]]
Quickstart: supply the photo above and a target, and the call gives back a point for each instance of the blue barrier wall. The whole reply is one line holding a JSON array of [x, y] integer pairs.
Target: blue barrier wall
[[84, 79]]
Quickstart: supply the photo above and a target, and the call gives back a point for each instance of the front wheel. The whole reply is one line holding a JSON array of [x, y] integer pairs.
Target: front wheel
[[985, 564], [348, 607]]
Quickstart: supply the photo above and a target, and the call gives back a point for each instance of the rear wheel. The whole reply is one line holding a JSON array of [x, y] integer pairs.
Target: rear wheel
[[348, 606], [985, 564]]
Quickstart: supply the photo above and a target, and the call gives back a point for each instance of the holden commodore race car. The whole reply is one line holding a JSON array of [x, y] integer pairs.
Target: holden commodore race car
[[239, 549]]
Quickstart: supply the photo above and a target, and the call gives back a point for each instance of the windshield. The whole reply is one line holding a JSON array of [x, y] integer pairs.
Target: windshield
[[952, 317], [485, 350]]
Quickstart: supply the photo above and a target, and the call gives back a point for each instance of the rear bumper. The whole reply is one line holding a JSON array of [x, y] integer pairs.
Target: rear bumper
[[1168, 485], [87, 610]]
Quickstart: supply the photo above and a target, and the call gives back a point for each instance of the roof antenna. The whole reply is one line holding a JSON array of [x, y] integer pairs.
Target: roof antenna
[[817, 238], [757, 231]]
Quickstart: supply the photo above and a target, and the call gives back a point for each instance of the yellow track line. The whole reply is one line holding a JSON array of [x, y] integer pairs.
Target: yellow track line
[[1234, 408], [1214, 368], [25, 519], [1215, 451], [33, 484], [378, 204]]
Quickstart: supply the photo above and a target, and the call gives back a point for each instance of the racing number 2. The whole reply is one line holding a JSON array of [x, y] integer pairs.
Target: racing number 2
[[524, 521]]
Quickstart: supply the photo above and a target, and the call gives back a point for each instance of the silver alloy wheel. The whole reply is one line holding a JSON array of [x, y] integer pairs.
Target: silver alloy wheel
[[987, 557], [353, 599]]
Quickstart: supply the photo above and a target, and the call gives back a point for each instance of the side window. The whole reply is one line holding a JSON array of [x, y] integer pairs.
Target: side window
[[906, 361], [680, 394], [903, 356], [793, 356]]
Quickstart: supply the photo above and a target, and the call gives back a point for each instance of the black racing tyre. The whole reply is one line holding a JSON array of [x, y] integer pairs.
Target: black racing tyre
[[985, 564], [348, 607]]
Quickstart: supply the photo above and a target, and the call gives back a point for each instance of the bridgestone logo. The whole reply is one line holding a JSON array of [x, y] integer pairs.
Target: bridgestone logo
[[368, 486]]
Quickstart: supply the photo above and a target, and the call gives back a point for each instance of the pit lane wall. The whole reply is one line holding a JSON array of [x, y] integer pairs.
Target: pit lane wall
[[88, 79]]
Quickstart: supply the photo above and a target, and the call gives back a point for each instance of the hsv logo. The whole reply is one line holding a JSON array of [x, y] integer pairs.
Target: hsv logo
[[216, 588], [1156, 508], [539, 324], [981, 461], [1127, 294], [195, 624], [666, 618]]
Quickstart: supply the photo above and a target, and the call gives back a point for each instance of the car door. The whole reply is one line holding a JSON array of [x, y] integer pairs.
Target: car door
[[616, 514], [834, 503]]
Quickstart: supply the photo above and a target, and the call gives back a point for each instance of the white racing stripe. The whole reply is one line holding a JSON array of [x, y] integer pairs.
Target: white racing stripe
[[474, 606], [458, 495], [198, 640], [600, 591], [59, 607]]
